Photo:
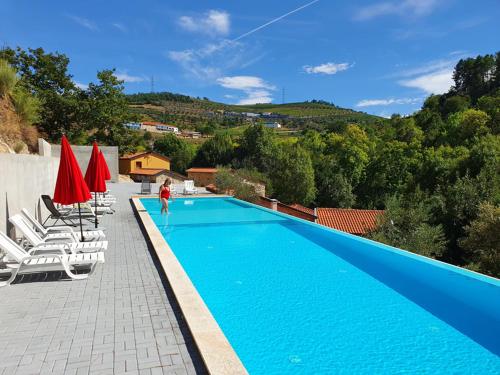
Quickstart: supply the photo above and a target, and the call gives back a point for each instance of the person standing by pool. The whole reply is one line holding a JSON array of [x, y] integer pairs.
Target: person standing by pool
[[164, 195]]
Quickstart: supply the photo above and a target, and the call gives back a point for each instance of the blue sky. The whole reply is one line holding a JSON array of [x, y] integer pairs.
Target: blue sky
[[380, 57]]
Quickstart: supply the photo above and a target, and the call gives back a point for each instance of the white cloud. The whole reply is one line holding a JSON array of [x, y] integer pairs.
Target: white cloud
[[85, 22], [327, 68], [244, 83], [437, 82], [208, 62], [385, 102], [256, 90], [213, 23], [415, 8], [127, 78], [82, 86], [120, 27]]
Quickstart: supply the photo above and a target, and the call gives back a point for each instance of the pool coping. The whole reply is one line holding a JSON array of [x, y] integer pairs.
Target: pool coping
[[217, 353]]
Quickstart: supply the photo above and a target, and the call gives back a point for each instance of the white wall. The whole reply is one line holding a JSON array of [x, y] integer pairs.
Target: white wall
[[23, 178], [82, 154]]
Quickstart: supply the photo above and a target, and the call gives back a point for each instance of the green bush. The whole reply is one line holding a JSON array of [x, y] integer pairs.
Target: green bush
[[8, 78], [26, 105]]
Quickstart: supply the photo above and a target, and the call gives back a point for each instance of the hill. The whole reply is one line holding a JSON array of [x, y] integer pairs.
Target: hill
[[189, 112]]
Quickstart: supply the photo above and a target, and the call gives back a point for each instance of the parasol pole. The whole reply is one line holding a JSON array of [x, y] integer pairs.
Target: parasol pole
[[95, 209], [81, 226]]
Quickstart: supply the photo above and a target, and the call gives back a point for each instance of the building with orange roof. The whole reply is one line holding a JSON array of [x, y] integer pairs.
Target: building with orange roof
[[359, 222], [141, 166]]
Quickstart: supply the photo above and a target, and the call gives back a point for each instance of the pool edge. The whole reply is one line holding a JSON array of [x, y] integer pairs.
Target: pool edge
[[217, 353]]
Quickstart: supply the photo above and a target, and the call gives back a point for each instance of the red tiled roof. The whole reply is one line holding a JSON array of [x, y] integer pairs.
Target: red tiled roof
[[148, 171], [202, 170], [348, 220], [139, 154], [299, 207]]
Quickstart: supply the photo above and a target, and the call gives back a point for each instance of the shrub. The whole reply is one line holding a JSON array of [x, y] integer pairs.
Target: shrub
[[230, 182], [27, 106], [8, 78]]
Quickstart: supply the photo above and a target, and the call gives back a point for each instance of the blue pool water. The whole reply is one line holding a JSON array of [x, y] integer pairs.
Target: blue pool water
[[296, 298]]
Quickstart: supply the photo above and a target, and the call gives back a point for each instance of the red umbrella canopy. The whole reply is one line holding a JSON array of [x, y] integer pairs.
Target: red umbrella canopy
[[70, 185], [102, 160], [94, 176]]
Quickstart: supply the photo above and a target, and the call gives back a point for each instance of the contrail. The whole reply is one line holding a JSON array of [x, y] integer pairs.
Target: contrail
[[273, 21]]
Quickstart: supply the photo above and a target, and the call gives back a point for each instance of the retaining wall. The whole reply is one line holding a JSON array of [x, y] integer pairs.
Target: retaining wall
[[82, 154], [23, 179]]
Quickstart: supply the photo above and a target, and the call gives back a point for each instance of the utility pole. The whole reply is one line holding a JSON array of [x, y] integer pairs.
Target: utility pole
[[152, 84], [283, 95]]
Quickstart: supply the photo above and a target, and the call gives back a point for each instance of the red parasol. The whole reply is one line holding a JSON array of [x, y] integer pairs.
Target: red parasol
[[94, 176], [102, 160], [70, 185]]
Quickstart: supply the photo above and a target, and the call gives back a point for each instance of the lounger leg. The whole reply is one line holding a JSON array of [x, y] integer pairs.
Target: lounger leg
[[74, 275], [10, 279]]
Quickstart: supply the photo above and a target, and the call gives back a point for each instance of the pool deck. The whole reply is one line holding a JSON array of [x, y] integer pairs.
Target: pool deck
[[123, 319]]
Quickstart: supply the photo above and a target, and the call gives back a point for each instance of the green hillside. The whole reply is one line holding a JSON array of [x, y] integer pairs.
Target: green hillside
[[186, 111]]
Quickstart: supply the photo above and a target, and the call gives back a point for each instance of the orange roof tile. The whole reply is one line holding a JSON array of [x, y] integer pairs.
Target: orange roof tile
[[299, 207], [139, 154], [147, 171], [348, 220], [202, 170]]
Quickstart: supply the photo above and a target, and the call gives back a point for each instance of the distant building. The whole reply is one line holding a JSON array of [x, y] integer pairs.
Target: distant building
[[272, 125], [251, 115], [145, 166], [158, 127], [191, 134], [202, 176], [132, 125]]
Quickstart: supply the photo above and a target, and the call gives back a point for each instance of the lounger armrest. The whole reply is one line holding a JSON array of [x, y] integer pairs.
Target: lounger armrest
[[62, 228], [63, 248]]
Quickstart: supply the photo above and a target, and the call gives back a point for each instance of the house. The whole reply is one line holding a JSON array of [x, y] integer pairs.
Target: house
[[359, 222], [272, 125], [132, 125], [202, 176], [158, 127], [191, 134], [145, 166]]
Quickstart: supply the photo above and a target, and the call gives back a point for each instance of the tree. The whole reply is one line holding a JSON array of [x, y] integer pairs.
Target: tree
[[218, 150], [482, 240], [167, 145], [258, 148], [455, 103], [334, 190], [107, 108], [232, 182], [46, 76], [183, 157], [350, 151], [293, 175], [407, 224], [467, 125]]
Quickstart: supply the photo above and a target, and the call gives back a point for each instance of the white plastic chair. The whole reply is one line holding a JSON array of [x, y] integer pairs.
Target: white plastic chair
[[72, 244], [23, 262], [189, 187], [60, 232]]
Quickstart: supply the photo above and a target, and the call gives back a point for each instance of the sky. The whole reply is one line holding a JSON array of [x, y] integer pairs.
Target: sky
[[380, 57]]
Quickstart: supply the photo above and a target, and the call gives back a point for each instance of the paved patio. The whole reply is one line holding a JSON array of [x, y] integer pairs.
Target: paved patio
[[122, 320]]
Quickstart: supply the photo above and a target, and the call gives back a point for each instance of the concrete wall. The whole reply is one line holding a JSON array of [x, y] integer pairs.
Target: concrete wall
[[23, 179], [82, 154]]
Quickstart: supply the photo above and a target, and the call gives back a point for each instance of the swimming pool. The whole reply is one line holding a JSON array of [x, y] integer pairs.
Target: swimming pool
[[294, 297]]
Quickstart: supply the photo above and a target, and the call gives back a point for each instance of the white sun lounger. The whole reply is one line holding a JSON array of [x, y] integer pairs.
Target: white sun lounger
[[60, 232], [21, 262], [73, 245], [189, 187]]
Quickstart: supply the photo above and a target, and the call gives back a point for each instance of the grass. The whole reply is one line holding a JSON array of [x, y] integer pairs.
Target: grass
[[8, 78]]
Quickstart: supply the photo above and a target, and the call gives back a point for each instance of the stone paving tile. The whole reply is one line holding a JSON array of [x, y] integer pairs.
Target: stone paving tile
[[122, 320]]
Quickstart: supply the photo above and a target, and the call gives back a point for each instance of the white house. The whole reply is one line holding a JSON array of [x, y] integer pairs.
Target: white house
[[272, 125]]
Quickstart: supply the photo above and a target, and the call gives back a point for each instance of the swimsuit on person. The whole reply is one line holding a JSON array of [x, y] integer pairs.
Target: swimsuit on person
[[165, 193]]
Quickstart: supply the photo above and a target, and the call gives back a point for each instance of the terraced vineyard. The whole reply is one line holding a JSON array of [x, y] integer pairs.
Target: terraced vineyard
[[188, 112]]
